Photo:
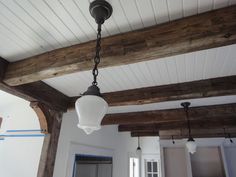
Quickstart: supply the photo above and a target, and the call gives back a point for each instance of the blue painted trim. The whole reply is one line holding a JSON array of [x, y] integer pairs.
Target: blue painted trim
[[33, 130], [33, 135]]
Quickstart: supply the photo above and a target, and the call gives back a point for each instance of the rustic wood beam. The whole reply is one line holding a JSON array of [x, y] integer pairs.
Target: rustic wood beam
[[177, 136], [158, 116], [147, 133], [39, 110], [49, 149], [188, 90], [196, 133], [37, 91], [208, 30], [0, 122], [3, 67], [205, 123]]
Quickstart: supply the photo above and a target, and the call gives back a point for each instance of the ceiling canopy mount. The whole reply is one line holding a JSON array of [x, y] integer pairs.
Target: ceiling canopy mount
[[100, 10]]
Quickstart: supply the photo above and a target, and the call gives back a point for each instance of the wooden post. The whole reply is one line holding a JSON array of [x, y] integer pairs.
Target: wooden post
[[50, 121]]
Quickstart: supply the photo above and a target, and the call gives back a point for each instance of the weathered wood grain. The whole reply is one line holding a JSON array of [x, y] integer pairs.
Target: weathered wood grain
[[0, 122], [49, 149], [214, 133], [196, 133], [208, 30], [146, 133], [204, 123], [188, 90], [171, 115]]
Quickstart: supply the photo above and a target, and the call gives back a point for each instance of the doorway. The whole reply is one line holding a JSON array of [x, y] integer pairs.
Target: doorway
[[92, 166]]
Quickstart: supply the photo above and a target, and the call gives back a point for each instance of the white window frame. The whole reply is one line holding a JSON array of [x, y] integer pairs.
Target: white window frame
[[152, 172]]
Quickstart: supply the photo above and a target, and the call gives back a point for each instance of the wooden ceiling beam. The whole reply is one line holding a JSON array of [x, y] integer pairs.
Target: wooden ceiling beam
[[183, 133], [188, 90], [35, 92], [197, 133], [0, 122], [217, 122], [147, 133], [170, 115], [208, 30]]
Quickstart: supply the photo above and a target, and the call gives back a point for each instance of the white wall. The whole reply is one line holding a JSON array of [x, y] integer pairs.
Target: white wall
[[207, 161], [18, 156], [175, 164], [227, 151], [230, 154], [106, 140]]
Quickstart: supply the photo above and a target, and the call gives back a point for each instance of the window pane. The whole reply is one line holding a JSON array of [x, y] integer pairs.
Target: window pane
[[154, 166], [149, 175], [154, 175], [149, 166]]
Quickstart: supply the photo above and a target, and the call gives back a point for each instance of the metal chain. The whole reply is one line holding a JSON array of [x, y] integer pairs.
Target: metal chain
[[188, 121], [97, 55]]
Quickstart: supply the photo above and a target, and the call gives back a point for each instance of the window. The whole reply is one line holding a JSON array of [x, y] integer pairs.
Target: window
[[151, 168], [133, 167]]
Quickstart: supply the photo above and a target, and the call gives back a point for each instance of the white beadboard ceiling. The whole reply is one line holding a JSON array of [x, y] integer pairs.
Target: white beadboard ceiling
[[31, 27]]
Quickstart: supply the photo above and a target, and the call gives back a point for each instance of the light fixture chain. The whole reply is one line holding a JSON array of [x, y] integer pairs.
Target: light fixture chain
[[188, 121], [97, 55]]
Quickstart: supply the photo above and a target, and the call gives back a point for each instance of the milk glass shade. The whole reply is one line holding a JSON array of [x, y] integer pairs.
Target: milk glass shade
[[139, 152], [191, 146], [90, 109]]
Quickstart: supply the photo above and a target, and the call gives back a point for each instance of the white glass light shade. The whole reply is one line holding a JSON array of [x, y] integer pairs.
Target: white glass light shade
[[91, 110], [191, 146], [138, 152]]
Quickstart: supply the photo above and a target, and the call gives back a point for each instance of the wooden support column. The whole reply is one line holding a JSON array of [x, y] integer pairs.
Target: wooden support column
[[50, 120], [0, 122]]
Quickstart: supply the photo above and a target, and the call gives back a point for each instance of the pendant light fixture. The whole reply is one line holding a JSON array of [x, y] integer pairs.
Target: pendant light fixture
[[190, 144], [228, 135], [91, 107], [230, 139], [173, 141], [139, 150]]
